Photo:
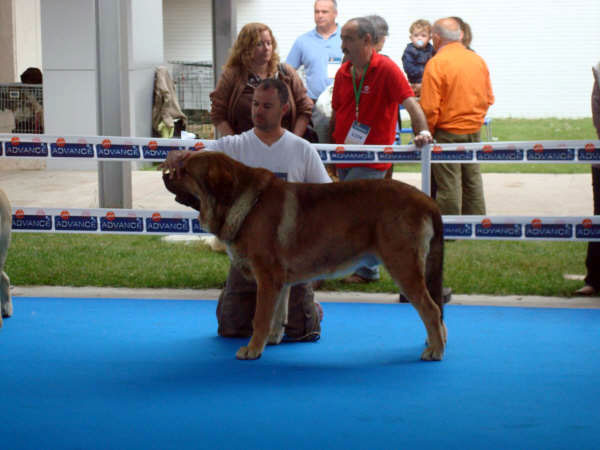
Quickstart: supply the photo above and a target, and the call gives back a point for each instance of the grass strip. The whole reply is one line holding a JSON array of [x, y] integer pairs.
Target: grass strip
[[471, 267]]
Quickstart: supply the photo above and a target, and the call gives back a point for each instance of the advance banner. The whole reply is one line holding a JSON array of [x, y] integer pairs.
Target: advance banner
[[105, 221], [129, 221], [117, 148], [522, 228]]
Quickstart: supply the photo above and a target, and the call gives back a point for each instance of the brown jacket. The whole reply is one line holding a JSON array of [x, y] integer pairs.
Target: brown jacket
[[165, 107], [231, 85]]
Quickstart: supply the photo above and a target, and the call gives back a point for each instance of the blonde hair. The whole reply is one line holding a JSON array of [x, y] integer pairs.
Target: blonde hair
[[242, 51], [421, 23]]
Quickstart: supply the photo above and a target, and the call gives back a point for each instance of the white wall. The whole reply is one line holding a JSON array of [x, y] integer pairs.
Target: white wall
[[145, 52], [187, 26], [27, 35], [539, 53], [71, 65]]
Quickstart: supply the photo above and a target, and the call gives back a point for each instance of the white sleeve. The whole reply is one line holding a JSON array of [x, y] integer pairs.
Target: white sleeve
[[315, 170], [226, 145]]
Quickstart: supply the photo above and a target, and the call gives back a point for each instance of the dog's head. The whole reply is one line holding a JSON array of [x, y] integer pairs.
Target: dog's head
[[209, 173], [211, 182]]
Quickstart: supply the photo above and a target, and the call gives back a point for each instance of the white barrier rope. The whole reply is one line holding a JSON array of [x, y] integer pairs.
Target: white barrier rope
[[105, 221], [117, 148], [121, 221], [130, 221]]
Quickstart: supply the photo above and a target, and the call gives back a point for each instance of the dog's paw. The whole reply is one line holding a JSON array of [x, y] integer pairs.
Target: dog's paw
[[247, 353], [276, 336], [432, 354], [7, 309]]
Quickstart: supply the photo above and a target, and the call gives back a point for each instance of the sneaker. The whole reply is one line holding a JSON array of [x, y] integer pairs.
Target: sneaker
[[357, 279], [446, 294], [586, 291], [319, 310]]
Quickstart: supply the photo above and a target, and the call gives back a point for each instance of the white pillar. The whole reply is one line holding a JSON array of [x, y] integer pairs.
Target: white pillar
[[99, 58], [224, 33]]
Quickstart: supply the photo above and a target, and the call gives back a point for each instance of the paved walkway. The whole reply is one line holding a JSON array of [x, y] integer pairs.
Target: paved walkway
[[505, 194], [529, 301]]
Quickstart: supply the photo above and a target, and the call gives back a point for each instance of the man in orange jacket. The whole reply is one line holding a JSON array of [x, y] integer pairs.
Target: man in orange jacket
[[455, 96]]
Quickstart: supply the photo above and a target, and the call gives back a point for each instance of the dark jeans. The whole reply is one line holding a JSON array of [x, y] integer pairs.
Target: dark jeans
[[237, 303], [592, 261]]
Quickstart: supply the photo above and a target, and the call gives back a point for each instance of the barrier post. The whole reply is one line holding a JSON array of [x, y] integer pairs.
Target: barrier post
[[426, 169]]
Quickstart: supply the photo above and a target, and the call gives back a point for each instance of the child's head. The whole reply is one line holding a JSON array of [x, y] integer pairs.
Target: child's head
[[420, 33]]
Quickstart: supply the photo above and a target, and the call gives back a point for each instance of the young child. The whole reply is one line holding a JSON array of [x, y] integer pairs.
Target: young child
[[417, 53]]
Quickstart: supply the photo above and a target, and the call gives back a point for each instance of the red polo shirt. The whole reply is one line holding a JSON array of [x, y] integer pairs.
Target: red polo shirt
[[384, 88]]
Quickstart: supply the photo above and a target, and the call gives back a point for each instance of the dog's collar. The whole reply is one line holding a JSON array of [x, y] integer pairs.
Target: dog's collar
[[238, 212]]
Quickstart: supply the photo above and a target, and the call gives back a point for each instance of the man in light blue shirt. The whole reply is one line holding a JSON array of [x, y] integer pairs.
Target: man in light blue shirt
[[319, 50]]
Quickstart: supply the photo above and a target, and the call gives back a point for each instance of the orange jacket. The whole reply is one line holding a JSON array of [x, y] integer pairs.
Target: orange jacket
[[456, 91]]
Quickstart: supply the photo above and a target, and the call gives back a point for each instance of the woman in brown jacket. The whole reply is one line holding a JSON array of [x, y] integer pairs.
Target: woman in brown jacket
[[252, 59]]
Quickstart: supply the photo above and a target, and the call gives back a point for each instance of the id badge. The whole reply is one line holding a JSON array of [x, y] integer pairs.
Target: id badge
[[358, 134], [332, 67]]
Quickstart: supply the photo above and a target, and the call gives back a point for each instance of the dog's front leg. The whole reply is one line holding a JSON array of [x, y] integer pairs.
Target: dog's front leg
[[266, 298], [280, 317]]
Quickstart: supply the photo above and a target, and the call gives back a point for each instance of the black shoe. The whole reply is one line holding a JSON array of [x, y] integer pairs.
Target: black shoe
[[446, 294]]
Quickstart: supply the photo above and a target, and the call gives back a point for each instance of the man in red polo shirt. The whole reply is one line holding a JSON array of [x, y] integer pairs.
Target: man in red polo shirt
[[367, 91]]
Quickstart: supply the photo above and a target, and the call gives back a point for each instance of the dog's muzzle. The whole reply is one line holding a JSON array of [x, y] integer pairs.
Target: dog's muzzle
[[181, 195]]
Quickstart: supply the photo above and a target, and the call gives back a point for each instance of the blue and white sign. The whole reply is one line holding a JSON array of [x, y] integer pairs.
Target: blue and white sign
[[71, 150]]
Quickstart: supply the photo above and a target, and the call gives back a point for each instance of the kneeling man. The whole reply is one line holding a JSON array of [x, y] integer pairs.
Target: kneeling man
[[270, 146]]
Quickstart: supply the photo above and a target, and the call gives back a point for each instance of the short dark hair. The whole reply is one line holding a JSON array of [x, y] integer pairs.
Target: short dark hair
[[364, 27], [32, 75], [278, 85], [334, 2], [380, 25]]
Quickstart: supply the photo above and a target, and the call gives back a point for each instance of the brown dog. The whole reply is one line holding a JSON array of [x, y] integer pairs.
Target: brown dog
[[5, 227], [284, 233]]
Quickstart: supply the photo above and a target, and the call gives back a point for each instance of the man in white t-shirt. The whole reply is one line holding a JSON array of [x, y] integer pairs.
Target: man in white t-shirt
[[270, 146]]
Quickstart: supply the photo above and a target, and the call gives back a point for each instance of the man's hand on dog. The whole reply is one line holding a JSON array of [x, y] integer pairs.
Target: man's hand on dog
[[174, 162]]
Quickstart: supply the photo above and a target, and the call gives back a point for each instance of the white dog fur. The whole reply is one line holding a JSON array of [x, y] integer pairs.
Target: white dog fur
[[5, 227]]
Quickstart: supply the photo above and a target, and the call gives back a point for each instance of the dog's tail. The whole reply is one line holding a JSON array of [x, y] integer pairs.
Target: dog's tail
[[434, 267]]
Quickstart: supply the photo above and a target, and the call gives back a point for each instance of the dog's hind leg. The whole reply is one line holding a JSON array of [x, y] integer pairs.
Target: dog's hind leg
[[430, 313], [411, 278], [5, 300], [280, 317]]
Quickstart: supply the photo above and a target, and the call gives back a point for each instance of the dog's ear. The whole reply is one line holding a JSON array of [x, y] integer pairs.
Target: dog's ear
[[215, 174], [219, 179]]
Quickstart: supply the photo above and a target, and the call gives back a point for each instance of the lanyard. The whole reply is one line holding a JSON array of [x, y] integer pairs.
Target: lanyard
[[357, 93]]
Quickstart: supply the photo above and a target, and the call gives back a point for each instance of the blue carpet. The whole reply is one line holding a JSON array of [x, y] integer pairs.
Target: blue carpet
[[151, 374]]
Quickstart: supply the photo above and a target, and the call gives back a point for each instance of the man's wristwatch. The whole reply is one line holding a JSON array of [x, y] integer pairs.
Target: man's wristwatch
[[425, 133]]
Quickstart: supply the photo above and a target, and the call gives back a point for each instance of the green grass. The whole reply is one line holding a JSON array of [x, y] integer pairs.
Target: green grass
[[471, 267], [500, 268], [119, 261]]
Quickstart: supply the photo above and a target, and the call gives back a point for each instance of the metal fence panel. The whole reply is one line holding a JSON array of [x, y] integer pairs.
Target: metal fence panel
[[26, 103], [193, 83]]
